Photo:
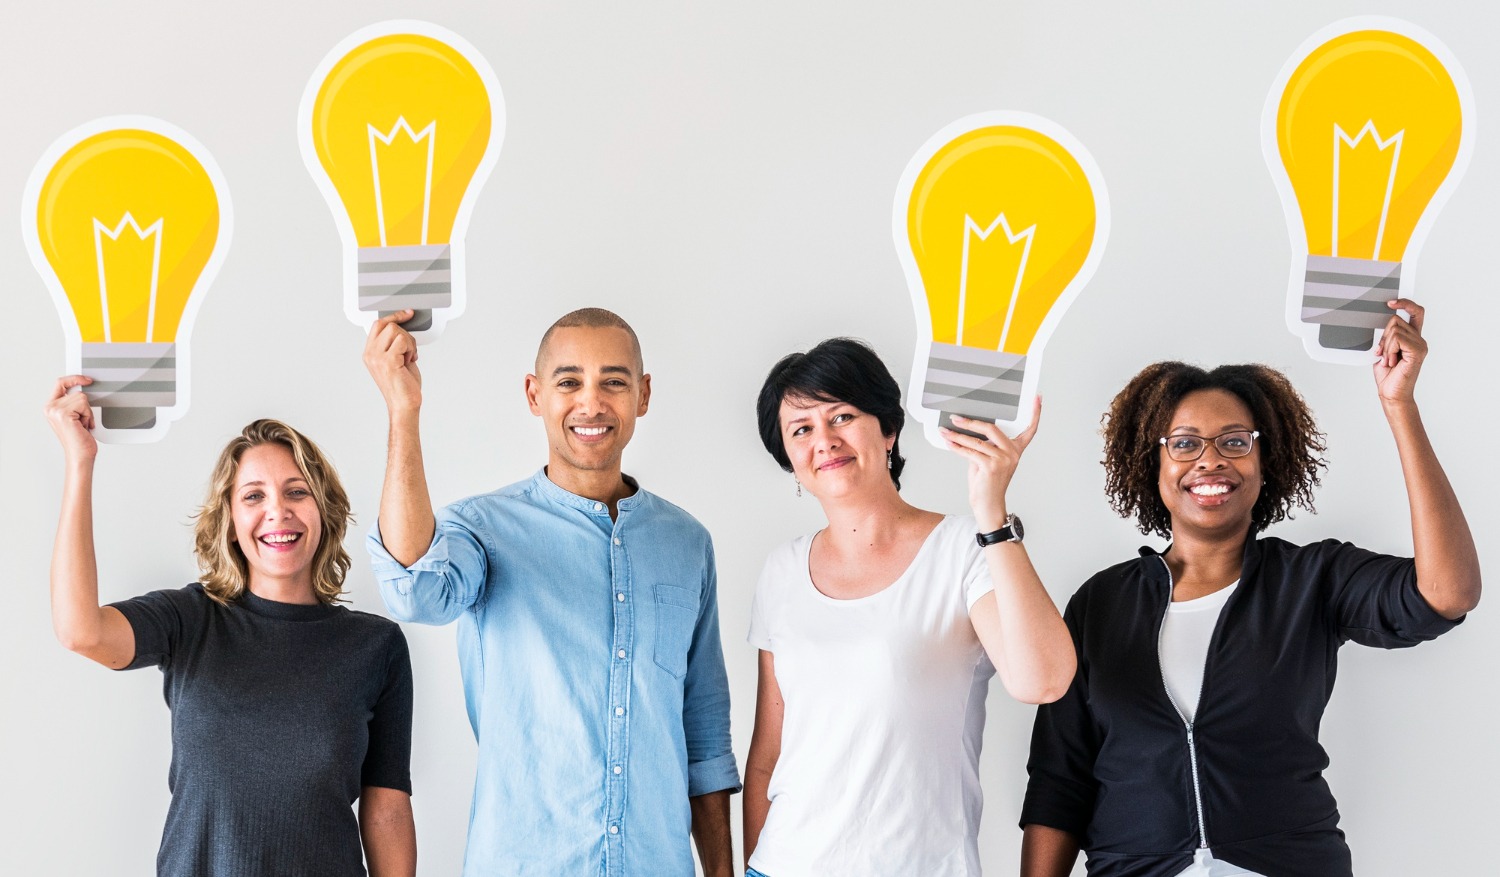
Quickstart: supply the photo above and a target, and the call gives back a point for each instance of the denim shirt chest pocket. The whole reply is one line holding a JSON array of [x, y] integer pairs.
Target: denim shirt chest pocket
[[676, 617]]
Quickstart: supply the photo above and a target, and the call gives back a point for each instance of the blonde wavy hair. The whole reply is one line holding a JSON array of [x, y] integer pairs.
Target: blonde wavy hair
[[225, 573]]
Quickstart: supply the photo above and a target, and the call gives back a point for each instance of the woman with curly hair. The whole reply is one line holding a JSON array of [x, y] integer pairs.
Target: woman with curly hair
[[1188, 742], [286, 708]]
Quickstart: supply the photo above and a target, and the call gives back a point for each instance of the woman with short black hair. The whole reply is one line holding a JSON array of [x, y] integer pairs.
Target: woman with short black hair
[[879, 633], [1188, 742]]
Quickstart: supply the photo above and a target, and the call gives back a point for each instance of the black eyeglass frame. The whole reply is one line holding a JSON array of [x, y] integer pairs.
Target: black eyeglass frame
[[1214, 440]]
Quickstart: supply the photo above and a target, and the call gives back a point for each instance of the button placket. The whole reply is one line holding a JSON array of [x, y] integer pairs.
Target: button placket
[[619, 699]]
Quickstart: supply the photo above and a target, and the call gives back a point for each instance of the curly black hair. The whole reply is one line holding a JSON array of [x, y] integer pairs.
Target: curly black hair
[[1291, 446], [837, 370]]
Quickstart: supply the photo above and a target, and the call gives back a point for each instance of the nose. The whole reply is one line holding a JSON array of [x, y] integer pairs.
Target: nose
[[825, 440], [1219, 460]]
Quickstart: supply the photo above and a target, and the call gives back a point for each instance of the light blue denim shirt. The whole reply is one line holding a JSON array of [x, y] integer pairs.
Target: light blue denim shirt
[[593, 671]]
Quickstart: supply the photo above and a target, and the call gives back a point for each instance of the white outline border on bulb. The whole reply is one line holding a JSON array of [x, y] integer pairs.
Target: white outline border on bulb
[[456, 240], [1297, 232], [1032, 376], [165, 417]]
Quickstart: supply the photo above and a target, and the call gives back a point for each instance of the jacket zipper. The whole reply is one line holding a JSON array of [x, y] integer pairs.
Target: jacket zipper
[[1192, 743]]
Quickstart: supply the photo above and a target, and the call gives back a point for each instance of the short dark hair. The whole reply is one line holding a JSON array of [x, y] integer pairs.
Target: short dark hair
[[1291, 447], [592, 318], [837, 370]]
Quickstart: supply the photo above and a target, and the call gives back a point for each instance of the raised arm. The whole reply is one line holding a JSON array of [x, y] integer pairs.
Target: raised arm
[[99, 633], [1017, 623], [1447, 563], [406, 519]]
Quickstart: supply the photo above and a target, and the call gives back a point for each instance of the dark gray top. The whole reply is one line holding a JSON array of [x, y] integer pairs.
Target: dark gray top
[[281, 713]]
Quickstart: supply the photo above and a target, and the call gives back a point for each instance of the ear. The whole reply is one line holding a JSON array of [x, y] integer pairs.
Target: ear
[[645, 395], [532, 388]]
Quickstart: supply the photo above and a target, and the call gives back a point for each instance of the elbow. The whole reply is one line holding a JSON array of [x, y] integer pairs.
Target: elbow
[[1045, 687], [73, 639], [1038, 694], [1457, 600]]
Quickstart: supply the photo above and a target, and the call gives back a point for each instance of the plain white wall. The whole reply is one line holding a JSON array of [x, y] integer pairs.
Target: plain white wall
[[722, 175]]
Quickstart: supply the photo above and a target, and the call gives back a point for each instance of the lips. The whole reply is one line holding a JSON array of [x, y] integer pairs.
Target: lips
[[836, 463], [590, 432], [281, 540], [1211, 491]]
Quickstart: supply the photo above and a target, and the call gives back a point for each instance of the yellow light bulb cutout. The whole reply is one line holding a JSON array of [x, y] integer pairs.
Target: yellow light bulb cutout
[[1366, 131], [1000, 220], [127, 220], [401, 125]]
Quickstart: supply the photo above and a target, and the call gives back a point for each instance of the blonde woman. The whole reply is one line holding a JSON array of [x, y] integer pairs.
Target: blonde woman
[[286, 708]]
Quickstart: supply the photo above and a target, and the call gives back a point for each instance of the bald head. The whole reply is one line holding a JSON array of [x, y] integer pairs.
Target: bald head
[[590, 318]]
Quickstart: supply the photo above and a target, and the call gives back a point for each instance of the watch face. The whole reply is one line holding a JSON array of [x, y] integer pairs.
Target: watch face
[[1017, 532]]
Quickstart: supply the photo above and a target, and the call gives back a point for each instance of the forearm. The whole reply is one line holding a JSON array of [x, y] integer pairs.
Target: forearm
[[756, 800], [1448, 572], [389, 832], [75, 576], [407, 523], [711, 833], [1036, 659], [1047, 852]]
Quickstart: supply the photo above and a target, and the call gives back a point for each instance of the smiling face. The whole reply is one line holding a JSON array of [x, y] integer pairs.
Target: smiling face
[[836, 450], [588, 390], [276, 521], [1212, 495]]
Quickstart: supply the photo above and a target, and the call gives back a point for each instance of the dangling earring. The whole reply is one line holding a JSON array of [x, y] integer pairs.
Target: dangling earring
[[799, 486], [888, 457]]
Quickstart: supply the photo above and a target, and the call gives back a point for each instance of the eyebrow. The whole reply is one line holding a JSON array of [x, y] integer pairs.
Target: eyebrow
[[1193, 430], [607, 369], [246, 484]]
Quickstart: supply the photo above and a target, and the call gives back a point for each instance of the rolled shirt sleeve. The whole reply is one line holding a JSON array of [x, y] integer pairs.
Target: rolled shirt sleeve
[[705, 702], [442, 583]]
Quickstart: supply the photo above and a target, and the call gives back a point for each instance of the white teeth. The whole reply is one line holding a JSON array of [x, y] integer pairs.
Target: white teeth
[[589, 430], [280, 538], [1209, 489]]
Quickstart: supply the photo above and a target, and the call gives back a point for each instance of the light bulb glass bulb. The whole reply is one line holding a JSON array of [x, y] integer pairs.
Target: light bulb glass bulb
[[1000, 220], [127, 218], [1364, 129], [401, 124]]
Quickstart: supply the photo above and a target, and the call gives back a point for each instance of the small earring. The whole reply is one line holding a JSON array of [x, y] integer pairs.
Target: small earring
[[888, 458], [799, 486]]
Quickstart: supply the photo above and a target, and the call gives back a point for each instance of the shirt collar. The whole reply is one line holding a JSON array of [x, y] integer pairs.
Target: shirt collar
[[546, 487], [1248, 564]]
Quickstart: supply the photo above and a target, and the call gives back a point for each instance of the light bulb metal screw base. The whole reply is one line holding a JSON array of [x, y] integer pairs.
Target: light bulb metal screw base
[[131, 381], [1347, 298], [982, 384], [419, 277]]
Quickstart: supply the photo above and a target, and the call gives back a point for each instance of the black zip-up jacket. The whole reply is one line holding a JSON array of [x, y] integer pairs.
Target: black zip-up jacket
[[1113, 761]]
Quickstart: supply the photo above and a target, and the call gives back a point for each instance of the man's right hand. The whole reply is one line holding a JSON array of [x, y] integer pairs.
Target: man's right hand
[[391, 358]]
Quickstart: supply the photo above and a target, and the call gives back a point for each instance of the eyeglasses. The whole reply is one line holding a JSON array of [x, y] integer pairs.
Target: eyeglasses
[[1187, 448]]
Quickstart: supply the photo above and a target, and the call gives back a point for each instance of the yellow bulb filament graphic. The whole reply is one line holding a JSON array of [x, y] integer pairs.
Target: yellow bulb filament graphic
[[1368, 128], [400, 125], [1000, 221], [127, 219]]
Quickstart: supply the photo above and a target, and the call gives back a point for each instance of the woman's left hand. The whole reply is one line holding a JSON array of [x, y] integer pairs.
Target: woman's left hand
[[992, 463], [1400, 353]]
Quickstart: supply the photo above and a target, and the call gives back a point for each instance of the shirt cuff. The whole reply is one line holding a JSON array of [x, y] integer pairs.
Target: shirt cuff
[[389, 569], [713, 775]]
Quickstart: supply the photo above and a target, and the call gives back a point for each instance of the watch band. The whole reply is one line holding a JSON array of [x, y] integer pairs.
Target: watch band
[[1011, 532]]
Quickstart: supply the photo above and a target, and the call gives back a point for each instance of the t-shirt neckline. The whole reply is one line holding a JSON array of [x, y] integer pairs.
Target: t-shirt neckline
[[896, 583]]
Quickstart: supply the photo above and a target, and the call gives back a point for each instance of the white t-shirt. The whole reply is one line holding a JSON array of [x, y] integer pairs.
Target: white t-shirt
[[1185, 633], [884, 715]]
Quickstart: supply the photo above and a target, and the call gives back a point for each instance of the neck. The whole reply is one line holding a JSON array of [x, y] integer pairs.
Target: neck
[[607, 486], [874, 519], [1204, 557], [284, 590]]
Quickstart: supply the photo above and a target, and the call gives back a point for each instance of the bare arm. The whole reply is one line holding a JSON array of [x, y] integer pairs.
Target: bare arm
[[1017, 623], [388, 831], [407, 523], [765, 750], [99, 633], [711, 833], [1447, 563], [1047, 852]]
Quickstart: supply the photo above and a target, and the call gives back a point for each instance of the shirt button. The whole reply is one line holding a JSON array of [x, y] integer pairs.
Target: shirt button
[[620, 597], [619, 711], [614, 829], [598, 506], [617, 540], [617, 770], [620, 653]]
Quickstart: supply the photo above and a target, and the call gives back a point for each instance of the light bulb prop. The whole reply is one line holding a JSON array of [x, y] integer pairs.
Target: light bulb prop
[[1000, 220], [1367, 129], [400, 126], [127, 219]]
